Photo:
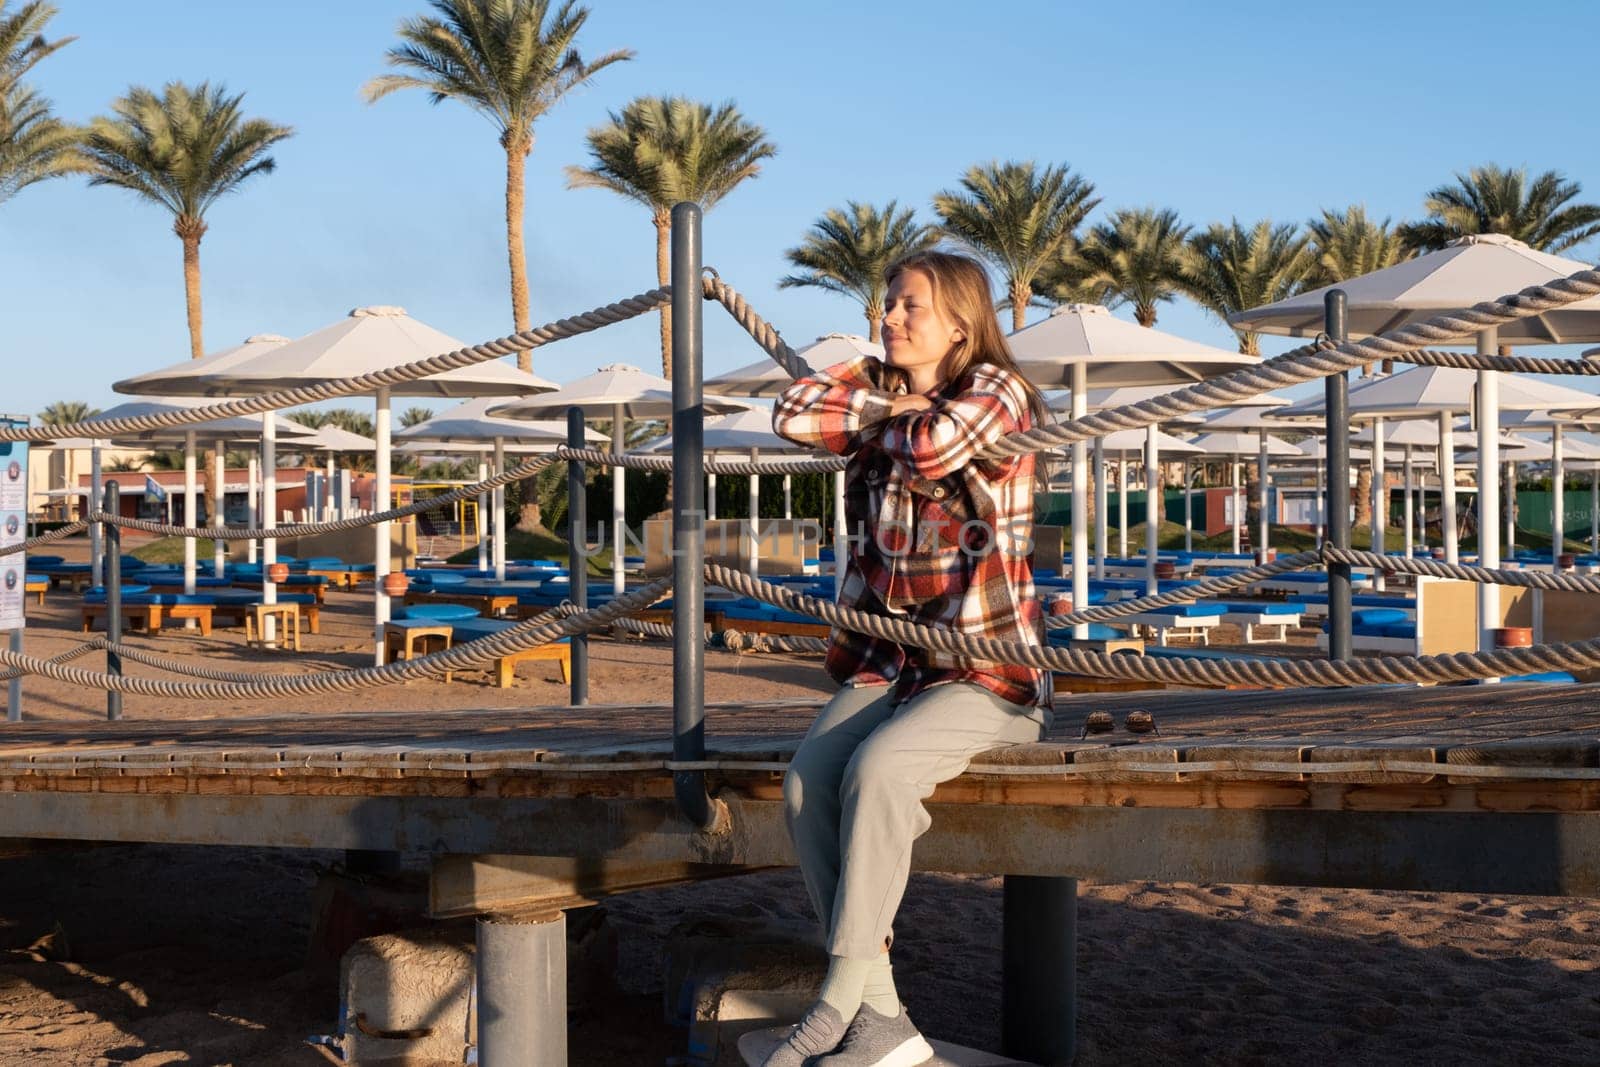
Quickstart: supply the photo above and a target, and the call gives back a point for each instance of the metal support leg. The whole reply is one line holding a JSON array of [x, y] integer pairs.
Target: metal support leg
[[112, 539], [578, 559], [1336, 391], [522, 991], [1039, 982]]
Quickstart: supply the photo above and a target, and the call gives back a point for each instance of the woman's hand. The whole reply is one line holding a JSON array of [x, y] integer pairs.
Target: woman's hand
[[910, 402]]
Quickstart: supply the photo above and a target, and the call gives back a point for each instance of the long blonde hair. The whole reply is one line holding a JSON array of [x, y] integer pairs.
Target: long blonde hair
[[961, 290]]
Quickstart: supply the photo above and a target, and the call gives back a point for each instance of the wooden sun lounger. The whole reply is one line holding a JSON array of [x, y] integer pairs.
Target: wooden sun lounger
[[340, 578], [150, 616]]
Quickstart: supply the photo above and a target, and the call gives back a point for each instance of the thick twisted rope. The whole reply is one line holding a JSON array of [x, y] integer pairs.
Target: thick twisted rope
[[713, 464], [59, 534], [1577, 583], [1263, 672], [1204, 588], [755, 641], [584, 322], [92, 645], [1429, 357], [527, 634], [308, 529]]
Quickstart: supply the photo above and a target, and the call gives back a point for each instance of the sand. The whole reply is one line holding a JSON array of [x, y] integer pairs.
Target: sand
[[187, 955]]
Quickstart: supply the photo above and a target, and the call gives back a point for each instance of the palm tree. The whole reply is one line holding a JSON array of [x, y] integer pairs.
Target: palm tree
[[1229, 268], [1491, 199], [661, 151], [413, 415], [509, 60], [1019, 218], [184, 150], [34, 144], [1346, 244], [66, 412], [1135, 258], [848, 251]]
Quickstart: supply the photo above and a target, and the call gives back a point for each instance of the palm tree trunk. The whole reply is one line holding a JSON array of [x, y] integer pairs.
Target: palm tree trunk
[[516, 165], [875, 324], [1020, 294], [663, 221], [189, 231]]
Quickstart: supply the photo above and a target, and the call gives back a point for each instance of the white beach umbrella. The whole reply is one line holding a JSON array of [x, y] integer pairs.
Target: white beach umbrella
[[617, 392], [1237, 444], [468, 427], [369, 339], [1084, 346], [333, 440], [743, 433], [1467, 271]]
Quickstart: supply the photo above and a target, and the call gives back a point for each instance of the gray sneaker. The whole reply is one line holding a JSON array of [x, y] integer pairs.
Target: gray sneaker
[[817, 1034], [876, 1040]]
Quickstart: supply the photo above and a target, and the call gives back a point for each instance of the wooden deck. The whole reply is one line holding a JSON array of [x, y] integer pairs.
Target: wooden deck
[[1241, 786]]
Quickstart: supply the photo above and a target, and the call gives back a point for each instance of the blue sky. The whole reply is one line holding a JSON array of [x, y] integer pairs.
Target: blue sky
[[1230, 109]]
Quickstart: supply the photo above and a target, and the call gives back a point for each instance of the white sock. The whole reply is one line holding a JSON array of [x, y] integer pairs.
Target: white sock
[[843, 985], [879, 993]]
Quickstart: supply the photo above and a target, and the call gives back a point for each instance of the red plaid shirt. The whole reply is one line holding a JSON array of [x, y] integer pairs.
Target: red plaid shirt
[[935, 535]]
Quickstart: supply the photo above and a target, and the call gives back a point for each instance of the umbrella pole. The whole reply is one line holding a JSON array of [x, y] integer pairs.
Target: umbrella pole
[[619, 514], [840, 552], [381, 552], [1263, 521], [1511, 507], [1320, 505], [755, 516], [1188, 507], [483, 506], [1410, 510], [1080, 502], [1152, 528], [96, 483], [1122, 504], [252, 505], [1488, 490], [327, 491], [219, 549], [1380, 500], [1447, 488], [498, 506], [1558, 497], [269, 519], [788, 497], [711, 496], [1102, 514], [1238, 506], [191, 516]]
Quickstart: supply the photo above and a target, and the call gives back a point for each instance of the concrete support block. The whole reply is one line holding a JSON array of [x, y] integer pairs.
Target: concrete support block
[[408, 996]]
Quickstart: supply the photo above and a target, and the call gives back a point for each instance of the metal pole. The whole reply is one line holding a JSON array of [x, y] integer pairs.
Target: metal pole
[[619, 511], [252, 505], [1263, 520], [1488, 490], [113, 587], [577, 560], [788, 496], [841, 552], [219, 550], [1122, 505], [1152, 529], [1336, 394], [498, 506], [754, 507], [1558, 497], [1038, 998], [97, 572], [482, 530], [1447, 487], [688, 522], [1410, 508], [1080, 500], [1510, 484], [1102, 508], [382, 532], [14, 690], [522, 991], [191, 511], [1188, 507], [1380, 500], [269, 519], [1238, 505], [1321, 503]]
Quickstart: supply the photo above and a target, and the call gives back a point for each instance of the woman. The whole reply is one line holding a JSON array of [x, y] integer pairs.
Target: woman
[[937, 536]]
